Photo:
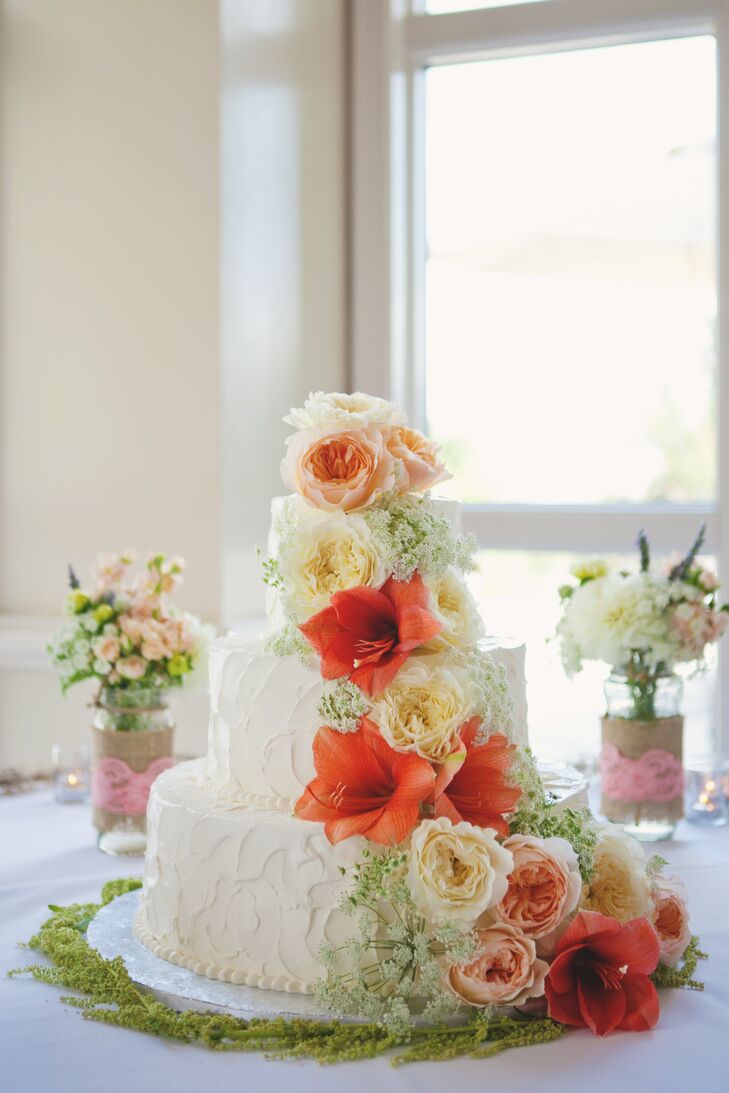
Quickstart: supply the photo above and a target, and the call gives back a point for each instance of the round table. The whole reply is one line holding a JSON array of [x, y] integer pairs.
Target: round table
[[49, 856]]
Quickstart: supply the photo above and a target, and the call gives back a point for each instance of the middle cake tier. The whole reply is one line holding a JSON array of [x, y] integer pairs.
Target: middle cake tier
[[264, 716]]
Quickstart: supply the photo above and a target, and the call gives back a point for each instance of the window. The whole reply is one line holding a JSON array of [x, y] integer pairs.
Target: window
[[542, 282]]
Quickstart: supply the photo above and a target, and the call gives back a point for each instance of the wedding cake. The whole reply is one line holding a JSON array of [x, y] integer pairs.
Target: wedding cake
[[373, 718]]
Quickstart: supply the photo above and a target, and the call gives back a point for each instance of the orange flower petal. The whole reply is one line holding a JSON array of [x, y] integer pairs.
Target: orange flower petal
[[365, 611], [636, 945], [603, 1010], [415, 626], [642, 1006], [321, 629], [374, 678]]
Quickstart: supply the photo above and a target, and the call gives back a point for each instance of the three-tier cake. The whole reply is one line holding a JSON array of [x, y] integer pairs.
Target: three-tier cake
[[369, 712]]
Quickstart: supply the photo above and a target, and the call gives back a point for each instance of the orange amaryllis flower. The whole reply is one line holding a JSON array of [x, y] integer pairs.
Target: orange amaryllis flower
[[368, 633], [471, 785], [364, 787]]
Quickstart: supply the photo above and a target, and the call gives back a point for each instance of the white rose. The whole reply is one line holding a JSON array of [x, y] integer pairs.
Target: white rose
[[455, 607], [620, 885], [423, 708], [456, 871], [328, 552], [349, 411]]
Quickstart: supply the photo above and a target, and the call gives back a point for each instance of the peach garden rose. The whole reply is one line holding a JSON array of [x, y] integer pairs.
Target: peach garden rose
[[544, 887], [671, 920], [504, 972], [419, 457], [345, 470]]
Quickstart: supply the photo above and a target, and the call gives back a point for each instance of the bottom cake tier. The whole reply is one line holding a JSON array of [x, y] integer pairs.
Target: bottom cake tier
[[249, 895], [240, 894]]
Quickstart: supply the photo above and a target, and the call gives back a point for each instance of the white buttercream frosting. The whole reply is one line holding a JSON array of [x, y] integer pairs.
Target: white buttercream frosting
[[239, 894]]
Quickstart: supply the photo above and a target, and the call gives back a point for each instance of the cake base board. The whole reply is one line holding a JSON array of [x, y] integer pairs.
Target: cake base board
[[111, 933]]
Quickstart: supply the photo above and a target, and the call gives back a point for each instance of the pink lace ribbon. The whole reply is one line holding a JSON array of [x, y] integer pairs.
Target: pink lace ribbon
[[656, 776], [116, 788]]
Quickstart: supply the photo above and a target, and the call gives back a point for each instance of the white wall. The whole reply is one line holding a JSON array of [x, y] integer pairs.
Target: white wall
[[114, 414], [284, 256]]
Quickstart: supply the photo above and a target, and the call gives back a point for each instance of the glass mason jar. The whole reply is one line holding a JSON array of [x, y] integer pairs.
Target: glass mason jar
[[132, 735], [641, 762]]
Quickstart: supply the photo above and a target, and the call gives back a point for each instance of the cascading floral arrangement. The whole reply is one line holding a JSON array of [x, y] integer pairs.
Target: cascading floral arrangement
[[123, 631], [473, 890], [642, 624]]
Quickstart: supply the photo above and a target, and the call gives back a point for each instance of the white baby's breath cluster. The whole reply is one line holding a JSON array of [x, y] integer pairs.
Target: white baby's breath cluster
[[414, 535], [492, 698], [342, 705]]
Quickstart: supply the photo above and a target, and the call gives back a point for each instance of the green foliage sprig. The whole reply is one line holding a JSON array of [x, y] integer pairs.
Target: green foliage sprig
[[537, 815], [682, 977], [105, 993]]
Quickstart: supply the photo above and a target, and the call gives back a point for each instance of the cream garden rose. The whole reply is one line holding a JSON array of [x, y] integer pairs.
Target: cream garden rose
[[620, 884], [346, 411], [424, 707], [328, 553], [456, 871], [504, 972], [455, 607]]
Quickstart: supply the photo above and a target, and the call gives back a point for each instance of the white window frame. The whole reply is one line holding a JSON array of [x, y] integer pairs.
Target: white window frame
[[392, 42]]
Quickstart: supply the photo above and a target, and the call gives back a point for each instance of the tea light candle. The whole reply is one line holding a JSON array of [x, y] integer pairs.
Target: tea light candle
[[706, 801], [71, 781]]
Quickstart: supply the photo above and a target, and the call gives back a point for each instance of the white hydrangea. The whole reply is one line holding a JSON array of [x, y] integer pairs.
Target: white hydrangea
[[615, 615]]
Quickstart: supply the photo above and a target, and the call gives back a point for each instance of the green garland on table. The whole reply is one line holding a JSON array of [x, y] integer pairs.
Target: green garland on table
[[665, 976], [107, 994]]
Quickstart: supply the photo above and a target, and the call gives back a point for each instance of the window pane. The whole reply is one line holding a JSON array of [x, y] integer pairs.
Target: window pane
[[571, 297], [517, 595]]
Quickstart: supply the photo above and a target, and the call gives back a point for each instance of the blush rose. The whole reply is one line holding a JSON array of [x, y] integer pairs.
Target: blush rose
[[504, 972], [344, 470], [544, 887]]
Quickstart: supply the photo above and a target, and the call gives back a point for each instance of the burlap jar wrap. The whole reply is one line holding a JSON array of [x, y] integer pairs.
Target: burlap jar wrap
[[124, 765], [642, 769]]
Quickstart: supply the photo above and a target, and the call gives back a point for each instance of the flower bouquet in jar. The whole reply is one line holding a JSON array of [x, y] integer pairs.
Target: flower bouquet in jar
[[643, 624], [123, 631]]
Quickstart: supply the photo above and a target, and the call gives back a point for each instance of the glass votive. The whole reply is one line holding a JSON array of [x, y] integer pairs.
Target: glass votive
[[71, 774], [706, 799]]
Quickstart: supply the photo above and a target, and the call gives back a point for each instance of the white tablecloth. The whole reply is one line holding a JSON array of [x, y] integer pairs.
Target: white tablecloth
[[47, 855]]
